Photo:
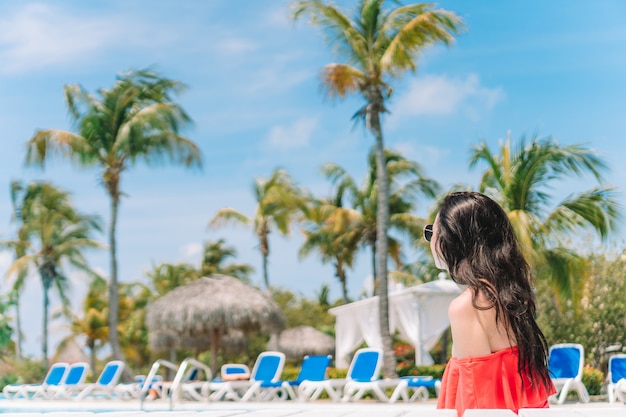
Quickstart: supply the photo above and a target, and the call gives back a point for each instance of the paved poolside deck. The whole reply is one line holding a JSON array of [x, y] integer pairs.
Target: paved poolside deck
[[114, 408]]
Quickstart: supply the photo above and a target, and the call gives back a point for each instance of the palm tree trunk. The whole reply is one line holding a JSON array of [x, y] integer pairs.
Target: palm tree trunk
[[18, 325], [340, 272], [113, 286], [374, 108], [44, 341], [374, 272], [265, 251], [266, 279], [92, 358]]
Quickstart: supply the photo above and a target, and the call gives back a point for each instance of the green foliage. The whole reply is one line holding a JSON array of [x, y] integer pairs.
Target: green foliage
[[521, 178], [290, 372], [5, 328], [52, 234], [135, 120], [300, 310], [279, 202], [26, 371], [593, 380], [337, 373], [599, 320], [405, 359], [214, 261]]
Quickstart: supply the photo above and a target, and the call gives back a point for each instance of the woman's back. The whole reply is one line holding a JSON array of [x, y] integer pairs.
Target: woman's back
[[474, 331]]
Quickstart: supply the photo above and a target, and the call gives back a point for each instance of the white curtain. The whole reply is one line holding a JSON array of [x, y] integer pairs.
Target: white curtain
[[419, 314], [405, 311], [434, 321], [352, 327]]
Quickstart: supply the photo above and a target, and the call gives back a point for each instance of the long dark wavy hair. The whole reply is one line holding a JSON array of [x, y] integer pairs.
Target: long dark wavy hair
[[476, 240]]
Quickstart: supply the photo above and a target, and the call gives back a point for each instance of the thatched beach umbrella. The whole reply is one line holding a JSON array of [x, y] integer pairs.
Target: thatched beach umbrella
[[300, 341], [205, 310]]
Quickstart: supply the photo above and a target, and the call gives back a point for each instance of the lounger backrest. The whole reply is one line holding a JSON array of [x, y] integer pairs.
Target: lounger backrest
[[230, 371], [617, 368], [111, 373], [566, 360], [268, 366], [77, 373], [365, 365], [314, 368], [56, 374]]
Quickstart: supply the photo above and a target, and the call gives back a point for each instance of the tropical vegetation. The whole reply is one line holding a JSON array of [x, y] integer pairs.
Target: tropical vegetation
[[379, 43], [93, 325], [215, 261], [337, 227], [136, 120], [579, 291], [52, 235], [520, 177], [278, 203]]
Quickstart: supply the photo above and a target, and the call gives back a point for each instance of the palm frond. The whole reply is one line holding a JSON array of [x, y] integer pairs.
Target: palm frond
[[566, 274], [338, 28], [597, 208], [228, 215], [341, 79], [411, 29], [52, 142], [493, 176], [527, 229]]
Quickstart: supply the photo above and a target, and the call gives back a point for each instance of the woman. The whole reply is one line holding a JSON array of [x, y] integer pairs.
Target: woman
[[499, 354]]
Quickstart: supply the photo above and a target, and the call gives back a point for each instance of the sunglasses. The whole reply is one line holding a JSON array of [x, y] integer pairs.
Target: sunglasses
[[428, 232]]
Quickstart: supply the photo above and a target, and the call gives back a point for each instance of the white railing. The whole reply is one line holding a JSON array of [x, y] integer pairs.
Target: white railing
[[179, 379], [150, 378], [173, 390]]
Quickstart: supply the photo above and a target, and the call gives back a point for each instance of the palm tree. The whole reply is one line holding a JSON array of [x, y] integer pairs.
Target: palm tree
[[165, 277], [135, 120], [214, 261], [379, 43], [407, 183], [520, 179], [55, 234], [330, 231], [134, 298], [278, 202], [19, 251], [93, 325]]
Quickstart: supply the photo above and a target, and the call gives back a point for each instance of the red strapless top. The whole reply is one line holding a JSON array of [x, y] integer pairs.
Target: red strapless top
[[490, 381]]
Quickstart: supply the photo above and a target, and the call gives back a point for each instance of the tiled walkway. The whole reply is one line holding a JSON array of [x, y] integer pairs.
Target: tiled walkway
[[26, 408]]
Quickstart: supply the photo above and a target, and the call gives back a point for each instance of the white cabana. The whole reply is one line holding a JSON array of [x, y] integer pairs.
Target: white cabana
[[419, 314]]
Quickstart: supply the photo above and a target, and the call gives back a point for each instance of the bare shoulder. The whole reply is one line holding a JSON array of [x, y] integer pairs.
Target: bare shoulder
[[468, 334], [461, 308]]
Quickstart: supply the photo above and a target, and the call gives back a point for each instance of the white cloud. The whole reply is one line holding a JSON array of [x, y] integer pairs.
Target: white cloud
[[235, 46], [277, 78], [439, 95], [297, 135], [277, 17], [427, 155], [39, 36], [191, 250]]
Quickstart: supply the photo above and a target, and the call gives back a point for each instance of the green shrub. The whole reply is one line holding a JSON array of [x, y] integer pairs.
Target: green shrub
[[25, 372], [593, 380], [290, 372], [7, 375], [337, 373], [436, 371]]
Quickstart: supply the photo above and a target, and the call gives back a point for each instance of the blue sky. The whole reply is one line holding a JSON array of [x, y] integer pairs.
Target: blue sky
[[524, 67]]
